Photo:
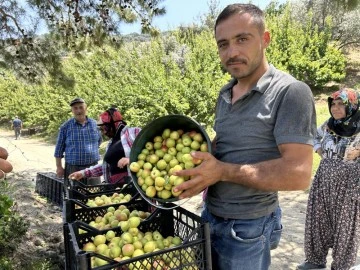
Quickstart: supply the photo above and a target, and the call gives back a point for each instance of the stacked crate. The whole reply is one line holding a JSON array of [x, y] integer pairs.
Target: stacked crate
[[50, 186], [194, 252]]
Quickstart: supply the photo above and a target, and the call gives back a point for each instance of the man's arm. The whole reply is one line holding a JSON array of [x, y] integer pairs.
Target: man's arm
[[290, 172], [59, 167], [59, 152]]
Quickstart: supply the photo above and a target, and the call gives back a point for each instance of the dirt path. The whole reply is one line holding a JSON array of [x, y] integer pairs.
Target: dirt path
[[29, 156]]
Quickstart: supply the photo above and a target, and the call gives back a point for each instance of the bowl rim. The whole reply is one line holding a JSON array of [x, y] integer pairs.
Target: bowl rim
[[150, 128]]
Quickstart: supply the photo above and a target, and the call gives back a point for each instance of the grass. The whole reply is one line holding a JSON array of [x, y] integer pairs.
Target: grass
[[322, 114]]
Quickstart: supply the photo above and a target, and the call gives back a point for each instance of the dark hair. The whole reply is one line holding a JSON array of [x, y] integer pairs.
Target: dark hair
[[256, 13]]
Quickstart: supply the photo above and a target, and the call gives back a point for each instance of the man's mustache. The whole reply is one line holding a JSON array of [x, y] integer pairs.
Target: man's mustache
[[236, 61]]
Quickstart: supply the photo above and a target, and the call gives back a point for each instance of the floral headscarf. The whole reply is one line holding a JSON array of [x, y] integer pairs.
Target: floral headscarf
[[350, 124]]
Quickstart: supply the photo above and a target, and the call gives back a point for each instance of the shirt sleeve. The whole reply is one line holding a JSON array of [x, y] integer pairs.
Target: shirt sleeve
[[100, 138], [60, 143], [94, 171], [296, 115]]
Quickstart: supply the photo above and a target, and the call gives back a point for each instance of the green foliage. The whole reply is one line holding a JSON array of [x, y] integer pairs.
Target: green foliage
[[177, 73], [12, 226], [72, 26], [343, 15], [5, 204], [5, 263], [304, 51]]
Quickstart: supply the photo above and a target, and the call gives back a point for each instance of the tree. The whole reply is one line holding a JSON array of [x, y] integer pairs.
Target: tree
[[305, 51], [73, 27], [344, 15]]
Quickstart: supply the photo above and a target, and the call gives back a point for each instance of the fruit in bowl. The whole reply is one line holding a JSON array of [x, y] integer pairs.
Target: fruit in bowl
[[161, 148]]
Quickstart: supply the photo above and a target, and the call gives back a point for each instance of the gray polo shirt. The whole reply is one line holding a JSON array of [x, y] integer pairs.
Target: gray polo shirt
[[279, 109]]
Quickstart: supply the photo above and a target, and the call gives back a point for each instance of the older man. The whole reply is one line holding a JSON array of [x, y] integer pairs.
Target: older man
[[78, 142]]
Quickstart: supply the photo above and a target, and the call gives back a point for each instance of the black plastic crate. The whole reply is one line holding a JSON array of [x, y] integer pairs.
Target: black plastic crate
[[67, 246], [100, 188], [193, 253], [77, 211], [50, 186], [83, 192]]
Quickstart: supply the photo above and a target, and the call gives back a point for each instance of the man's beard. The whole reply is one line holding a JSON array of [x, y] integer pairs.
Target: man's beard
[[247, 68]]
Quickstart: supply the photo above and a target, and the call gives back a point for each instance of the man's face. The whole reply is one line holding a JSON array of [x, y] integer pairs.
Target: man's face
[[240, 44], [79, 111]]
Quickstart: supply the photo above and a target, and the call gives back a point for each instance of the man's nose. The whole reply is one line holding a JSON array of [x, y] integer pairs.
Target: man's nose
[[232, 51]]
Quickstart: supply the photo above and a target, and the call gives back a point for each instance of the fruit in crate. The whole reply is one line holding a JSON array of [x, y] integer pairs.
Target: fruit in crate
[[120, 217], [107, 200], [125, 246], [164, 154]]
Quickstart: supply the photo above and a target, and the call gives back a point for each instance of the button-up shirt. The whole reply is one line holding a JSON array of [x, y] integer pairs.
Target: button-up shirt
[[78, 143]]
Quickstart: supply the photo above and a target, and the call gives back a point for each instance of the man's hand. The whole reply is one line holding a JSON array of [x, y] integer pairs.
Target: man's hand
[[207, 173], [60, 172]]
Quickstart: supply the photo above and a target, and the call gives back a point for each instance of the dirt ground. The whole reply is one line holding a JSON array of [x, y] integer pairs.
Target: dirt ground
[[44, 238]]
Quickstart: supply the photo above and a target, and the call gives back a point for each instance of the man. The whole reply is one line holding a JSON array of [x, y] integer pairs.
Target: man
[[264, 122], [17, 125], [79, 139], [116, 157]]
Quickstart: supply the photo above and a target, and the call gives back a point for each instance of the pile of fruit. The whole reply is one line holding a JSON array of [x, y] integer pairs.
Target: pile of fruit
[[133, 243], [107, 200], [163, 155], [120, 217]]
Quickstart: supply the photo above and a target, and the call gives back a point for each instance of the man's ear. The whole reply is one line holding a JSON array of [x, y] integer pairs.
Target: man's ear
[[266, 38]]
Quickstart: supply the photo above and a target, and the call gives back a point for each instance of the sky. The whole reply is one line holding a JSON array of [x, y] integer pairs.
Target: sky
[[185, 12]]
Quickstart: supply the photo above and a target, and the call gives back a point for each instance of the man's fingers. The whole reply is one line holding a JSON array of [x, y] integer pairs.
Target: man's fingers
[[190, 188]]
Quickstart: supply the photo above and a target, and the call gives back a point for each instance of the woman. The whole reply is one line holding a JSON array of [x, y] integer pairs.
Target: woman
[[333, 211], [116, 159]]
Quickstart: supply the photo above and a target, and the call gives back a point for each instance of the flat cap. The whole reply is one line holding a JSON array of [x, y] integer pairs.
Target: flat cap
[[76, 100]]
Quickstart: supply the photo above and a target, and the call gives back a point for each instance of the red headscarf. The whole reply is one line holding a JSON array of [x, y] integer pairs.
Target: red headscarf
[[110, 120]]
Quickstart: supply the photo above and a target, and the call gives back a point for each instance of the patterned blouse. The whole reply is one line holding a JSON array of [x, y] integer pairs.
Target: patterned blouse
[[128, 135], [337, 147]]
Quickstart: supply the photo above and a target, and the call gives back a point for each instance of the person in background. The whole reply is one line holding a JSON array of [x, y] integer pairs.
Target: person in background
[[17, 125], [116, 159], [265, 122], [78, 142], [5, 166], [333, 210]]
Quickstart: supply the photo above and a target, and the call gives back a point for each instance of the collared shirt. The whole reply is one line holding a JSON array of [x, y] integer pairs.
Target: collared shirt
[[278, 109], [127, 136], [78, 143]]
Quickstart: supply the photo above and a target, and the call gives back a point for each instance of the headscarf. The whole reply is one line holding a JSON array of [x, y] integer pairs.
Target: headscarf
[[350, 124], [111, 119]]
